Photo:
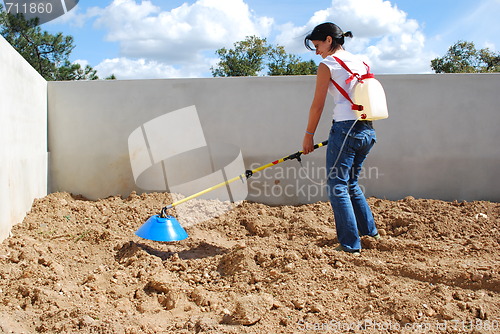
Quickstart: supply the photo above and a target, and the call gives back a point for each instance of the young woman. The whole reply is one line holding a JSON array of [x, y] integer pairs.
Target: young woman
[[349, 141]]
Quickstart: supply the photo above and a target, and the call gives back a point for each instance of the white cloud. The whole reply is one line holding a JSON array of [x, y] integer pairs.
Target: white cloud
[[382, 32], [82, 62], [168, 44], [126, 68], [179, 35]]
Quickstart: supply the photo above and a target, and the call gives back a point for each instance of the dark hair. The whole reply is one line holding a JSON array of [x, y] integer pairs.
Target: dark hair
[[324, 30]]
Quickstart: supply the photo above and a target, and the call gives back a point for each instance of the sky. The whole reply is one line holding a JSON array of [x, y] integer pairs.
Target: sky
[[136, 39]]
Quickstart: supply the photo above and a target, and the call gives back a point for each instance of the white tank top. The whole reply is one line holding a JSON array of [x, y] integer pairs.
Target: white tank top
[[342, 110]]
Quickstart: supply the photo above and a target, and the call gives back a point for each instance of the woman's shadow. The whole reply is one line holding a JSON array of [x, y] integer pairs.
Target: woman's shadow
[[202, 250]]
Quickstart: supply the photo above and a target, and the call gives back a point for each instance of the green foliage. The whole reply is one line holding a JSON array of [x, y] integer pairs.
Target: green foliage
[[463, 57], [282, 63], [252, 55], [246, 59], [47, 53]]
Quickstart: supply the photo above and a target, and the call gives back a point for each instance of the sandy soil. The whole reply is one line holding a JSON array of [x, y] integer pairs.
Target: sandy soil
[[75, 266]]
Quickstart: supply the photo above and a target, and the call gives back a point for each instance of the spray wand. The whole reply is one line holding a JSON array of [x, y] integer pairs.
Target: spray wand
[[164, 227], [248, 173]]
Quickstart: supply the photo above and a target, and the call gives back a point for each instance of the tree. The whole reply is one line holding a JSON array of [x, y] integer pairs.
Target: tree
[[282, 63], [463, 57], [47, 53], [246, 59], [252, 55]]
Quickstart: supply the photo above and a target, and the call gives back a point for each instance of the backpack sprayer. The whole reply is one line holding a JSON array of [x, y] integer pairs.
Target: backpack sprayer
[[164, 227], [368, 94], [368, 102]]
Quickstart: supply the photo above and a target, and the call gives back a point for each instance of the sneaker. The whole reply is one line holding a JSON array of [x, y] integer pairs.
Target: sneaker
[[376, 236], [356, 252]]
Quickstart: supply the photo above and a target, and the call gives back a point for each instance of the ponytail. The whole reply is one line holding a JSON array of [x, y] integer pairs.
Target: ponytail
[[320, 32], [348, 34]]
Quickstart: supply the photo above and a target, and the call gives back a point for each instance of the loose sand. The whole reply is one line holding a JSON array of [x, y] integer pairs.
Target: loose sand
[[75, 266]]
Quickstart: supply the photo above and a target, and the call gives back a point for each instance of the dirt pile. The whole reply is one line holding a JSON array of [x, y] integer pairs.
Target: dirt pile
[[75, 266]]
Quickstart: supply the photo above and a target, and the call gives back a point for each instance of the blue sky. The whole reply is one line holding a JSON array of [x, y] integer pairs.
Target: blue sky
[[177, 39]]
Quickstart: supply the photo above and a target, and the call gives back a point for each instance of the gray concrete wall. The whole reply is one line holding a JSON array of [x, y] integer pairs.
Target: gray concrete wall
[[440, 140], [23, 134]]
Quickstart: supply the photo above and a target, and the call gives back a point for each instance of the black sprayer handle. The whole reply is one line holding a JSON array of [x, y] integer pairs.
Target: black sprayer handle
[[298, 154], [322, 144]]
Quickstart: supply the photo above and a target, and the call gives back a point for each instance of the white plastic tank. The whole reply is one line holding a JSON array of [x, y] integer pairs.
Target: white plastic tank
[[370, 94]]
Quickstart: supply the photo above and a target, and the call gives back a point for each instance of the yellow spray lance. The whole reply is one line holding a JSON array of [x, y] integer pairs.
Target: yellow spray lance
[[164, 227]]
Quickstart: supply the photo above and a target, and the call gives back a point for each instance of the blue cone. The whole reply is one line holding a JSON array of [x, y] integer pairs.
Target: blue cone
[[162, 229]]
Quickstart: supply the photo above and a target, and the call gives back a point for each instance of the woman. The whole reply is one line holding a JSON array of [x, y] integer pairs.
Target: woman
[[350, 139]]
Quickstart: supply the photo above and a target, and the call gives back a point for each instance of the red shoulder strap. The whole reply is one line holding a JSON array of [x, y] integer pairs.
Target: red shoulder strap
[[344, 94], [360, 78]]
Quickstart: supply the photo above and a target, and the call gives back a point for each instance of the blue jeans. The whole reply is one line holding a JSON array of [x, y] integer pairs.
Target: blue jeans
[[352, 213]]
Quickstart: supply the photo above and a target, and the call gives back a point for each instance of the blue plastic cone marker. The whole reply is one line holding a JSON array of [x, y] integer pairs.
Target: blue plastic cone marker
[[157, 228]]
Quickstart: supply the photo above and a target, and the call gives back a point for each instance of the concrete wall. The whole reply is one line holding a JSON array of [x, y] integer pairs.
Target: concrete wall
[[90, 155], [440, 140], [23, 134]]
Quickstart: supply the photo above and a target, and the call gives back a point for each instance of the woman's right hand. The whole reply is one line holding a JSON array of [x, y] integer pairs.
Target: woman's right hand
[[317, 105], [308, 144]]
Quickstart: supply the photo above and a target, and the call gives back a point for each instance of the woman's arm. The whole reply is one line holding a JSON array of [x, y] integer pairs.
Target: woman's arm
[[317, 105]]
